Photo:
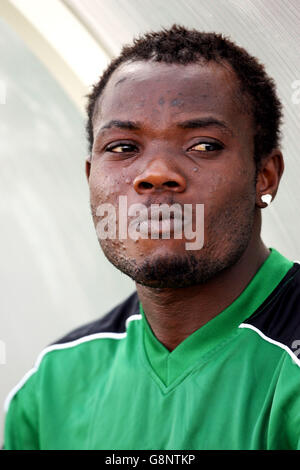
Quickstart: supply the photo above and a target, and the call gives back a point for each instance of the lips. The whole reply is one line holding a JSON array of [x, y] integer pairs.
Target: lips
[[160, 227], [159, 220]]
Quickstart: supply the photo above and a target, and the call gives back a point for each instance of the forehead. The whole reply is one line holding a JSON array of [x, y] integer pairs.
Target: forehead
[[158, 91]]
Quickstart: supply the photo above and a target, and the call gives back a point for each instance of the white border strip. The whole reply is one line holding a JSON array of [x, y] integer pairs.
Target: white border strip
[[67, 36], [61, 42], [70, 344], [277, 343]]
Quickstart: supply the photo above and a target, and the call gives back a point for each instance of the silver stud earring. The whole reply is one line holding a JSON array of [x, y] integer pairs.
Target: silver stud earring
[[267, 198]]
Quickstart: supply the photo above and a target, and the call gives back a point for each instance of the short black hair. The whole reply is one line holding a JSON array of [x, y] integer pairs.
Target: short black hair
[[180, 45]]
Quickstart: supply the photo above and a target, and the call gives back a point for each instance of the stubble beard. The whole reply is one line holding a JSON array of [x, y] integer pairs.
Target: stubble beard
[[228, 235]]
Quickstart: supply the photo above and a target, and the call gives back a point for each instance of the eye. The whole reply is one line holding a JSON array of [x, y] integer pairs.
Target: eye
[[206, 147], [121, 148]]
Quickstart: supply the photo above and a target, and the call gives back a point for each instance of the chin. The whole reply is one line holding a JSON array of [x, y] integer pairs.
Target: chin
[[156, 247], [166, 264], [167, 270]]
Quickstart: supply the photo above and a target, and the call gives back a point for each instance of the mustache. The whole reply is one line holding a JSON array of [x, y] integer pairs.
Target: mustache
[[159, 209], [169, 200]]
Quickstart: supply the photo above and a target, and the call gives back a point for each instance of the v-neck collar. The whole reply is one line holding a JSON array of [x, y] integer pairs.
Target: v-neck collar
[[172, 365]]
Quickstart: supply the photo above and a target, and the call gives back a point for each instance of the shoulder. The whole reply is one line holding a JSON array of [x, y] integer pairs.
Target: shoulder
[[65, 355], [277, 320], [113, 322]]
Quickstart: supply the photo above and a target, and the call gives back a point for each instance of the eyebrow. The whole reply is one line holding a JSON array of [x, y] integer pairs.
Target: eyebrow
[[122, 125], [189, 124], [204, 122]]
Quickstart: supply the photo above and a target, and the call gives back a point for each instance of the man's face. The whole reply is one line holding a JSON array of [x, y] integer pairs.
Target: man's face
[[163, 157]]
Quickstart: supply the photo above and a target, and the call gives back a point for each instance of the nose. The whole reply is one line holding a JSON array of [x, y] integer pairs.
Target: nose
[[159, 176]]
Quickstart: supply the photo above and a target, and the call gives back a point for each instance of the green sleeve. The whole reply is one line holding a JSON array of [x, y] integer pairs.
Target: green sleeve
[[21, 420], [284, 423]]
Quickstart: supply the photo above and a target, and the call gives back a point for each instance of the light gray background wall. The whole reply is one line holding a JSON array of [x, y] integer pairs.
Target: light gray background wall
[[53, 276]]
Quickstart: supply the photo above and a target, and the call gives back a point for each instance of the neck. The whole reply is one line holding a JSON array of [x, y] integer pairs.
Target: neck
[[174, 314]]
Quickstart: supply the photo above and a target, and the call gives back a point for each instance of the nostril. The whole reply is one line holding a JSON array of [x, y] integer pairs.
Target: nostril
[[145, 185], [162, 180], [171, 184]]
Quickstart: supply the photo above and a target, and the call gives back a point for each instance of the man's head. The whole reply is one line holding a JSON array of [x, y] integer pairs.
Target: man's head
[[184, 117]]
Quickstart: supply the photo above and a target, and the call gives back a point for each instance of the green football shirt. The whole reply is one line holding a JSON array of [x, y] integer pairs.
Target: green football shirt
[[233, 384]]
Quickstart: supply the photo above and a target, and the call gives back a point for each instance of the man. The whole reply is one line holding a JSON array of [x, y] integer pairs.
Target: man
[[204, 354]]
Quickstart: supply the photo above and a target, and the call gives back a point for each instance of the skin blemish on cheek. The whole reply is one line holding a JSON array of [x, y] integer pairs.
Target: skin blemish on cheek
[[161, 101], [177, 102]]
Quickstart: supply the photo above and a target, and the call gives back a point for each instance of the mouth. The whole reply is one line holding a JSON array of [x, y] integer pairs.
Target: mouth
[[161, 222], [163, 227]]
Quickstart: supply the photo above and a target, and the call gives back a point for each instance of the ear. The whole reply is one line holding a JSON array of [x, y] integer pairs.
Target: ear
[[268, 176], [88, 167]]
